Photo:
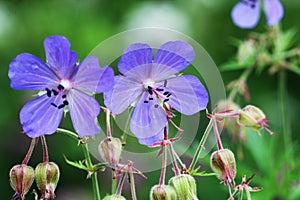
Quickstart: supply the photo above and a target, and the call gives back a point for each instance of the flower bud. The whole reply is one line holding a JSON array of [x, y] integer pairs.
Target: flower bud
[[246, 51], [162, 192], [21, 179], [250, 116], [47, 176], [110, 150], [114, 197], [185, 186], [222, 163]]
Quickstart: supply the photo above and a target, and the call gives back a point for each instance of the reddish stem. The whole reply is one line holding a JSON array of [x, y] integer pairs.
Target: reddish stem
[[215, 127], [45, 149], [30, 150]]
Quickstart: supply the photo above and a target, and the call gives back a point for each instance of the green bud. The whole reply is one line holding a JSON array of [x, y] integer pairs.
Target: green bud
[[251, 116], [246, 51], [21, 178], [114, 197], [162, 192], [47, 176], [110, 150], [222, 163], [185, 186]]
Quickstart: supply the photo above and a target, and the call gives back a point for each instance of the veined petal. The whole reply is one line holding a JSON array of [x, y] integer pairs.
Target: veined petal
[[274, 11], [246, 13], [148, 119], [172, 57], [59, 56], [188, 95], [28, 72], [84, 110], [123, 94], [150, 140], [135, 55], [90, 77], [38, 117]]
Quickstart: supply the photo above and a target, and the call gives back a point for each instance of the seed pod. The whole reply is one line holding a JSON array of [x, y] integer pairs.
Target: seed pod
[[222, 163], [162, 192], [110, 150], [47, 176], [114, 197], [185, 186], [21, 178]]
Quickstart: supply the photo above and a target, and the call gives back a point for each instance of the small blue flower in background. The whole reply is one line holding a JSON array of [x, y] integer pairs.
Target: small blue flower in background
[[153, 88], [65, 83], [246, 13]]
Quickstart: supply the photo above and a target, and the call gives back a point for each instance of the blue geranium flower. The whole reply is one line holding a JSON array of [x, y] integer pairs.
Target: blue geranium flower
[[153, 87], [246, 13], [65, 82]]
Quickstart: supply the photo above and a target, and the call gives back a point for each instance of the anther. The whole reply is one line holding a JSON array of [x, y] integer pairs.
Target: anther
[[61, 106], [150, 90], [150, 98], [65, 102], [54, 92], [165, 83], [48, 92], [166, 100], [160, 89], [146, 101], [60, 87], [64, 96], [169, 94], [156, 106], [53, 104], [166, 93]]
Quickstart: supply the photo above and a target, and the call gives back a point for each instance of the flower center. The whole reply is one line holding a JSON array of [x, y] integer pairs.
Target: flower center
[[148, 83], [160, 92], [60, 93]]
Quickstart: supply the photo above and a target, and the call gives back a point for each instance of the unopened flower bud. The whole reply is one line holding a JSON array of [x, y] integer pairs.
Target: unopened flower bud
[[162, 192], [21, 179], [222, 163], [47, 176], [114, 197], [185, 186], [110, 150], [246, 51], [250, 116]]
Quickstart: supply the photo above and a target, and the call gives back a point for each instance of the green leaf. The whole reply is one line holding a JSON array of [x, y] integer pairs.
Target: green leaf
[[77, 164]]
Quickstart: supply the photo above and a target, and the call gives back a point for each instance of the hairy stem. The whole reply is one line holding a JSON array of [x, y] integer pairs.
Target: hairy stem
[[45, 149], [132, 186], [120, 184], [30, 150], [163, 166]]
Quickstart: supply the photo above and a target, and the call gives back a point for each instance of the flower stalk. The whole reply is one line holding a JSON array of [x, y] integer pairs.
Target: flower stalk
[[30, 150]]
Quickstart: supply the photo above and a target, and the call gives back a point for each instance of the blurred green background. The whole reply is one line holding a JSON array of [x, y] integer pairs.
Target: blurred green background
[[24, 24]]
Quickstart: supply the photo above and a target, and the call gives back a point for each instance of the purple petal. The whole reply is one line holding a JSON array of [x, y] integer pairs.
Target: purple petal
[[38, 117], [148, 119], [28, 72], [84, 110], [188, 95], [245, 14], [90, 77], [124, 93], [274, 11], [133, 56], [171, 58], [59, 56], [150, 140]]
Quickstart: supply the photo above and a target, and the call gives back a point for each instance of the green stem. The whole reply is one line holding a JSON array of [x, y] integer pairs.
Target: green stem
[[120, 185], [132, 186], [88, 161], [113, 182], [201, 145], [286, 132]]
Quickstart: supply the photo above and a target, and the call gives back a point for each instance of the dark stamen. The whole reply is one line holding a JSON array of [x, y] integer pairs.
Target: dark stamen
[[150, 90], [146, 101], [53, 104], [64, 96], [48, 92], [65, 102], [166, 93], [150, 98], [169, 94], [165, 83], [166, 100], [60, 87], [156, 106], [61, 106], [55, 92], [160, 89]]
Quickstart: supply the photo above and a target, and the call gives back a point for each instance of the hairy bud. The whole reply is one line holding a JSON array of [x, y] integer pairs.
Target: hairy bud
[[185, 186], [162, 192], [222, 163], [21, 178], [47, 176], [110, 150]]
